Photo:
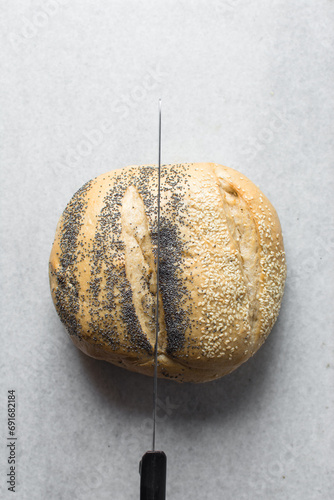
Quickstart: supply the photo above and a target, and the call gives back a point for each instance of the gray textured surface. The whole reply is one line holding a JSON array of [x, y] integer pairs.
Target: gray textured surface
[[245, 83]]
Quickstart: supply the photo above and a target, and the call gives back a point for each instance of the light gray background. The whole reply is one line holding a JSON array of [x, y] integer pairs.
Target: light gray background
[[248, 84]]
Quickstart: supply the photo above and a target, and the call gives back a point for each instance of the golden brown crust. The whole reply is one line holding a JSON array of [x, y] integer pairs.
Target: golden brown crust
[[222, 269]]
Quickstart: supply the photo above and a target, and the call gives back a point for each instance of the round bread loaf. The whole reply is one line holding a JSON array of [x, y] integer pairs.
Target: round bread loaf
[[222, 269]]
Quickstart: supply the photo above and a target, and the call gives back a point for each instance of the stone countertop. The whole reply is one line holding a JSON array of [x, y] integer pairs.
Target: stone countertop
[[248, 84]]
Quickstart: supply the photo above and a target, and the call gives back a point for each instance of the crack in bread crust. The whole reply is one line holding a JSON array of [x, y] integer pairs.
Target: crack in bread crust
[[64, 283], [242, 228], [140, 267]]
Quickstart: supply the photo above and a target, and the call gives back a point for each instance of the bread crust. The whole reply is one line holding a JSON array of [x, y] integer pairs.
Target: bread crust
[[222, 269]]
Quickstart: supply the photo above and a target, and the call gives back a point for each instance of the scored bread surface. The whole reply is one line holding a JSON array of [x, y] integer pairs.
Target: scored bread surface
[[222, 269]]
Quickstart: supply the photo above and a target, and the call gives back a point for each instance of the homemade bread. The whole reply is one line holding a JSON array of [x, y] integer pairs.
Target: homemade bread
[[222, 269]]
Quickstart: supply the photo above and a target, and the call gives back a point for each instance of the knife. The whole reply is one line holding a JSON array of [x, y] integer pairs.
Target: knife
[[153, 465]]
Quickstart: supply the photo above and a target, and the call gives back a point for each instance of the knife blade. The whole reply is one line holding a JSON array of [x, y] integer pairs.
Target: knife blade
[[153, 465]]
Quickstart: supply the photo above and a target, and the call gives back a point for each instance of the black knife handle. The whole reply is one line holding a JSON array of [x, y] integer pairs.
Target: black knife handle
[[152, 470]]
